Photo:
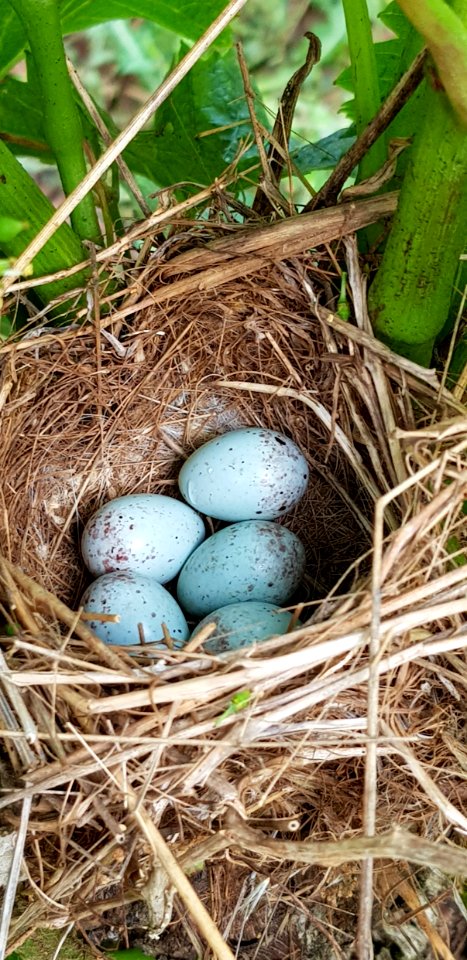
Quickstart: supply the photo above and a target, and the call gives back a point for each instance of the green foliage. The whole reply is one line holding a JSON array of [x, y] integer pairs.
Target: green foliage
[[187, 18], [238, 702], [453, 546], [12, 38], [445, 33], [393, 58], [409, 299], [21, 118], [10, 227], [62, 125], [324, 154], [43, 946], [150, 151], [175, 149], [133, 954], [143, 50], [205, 125], [343, 306], [184, 142], [365, 80], [21, 199]]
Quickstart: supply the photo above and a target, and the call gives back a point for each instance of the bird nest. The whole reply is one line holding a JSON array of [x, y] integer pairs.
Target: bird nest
[[245, 798]]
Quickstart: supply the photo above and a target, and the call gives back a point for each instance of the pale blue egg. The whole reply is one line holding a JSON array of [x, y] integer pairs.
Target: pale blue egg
[[246, 474], [136, 600], [253, 560], [144, 532], [240, 624]]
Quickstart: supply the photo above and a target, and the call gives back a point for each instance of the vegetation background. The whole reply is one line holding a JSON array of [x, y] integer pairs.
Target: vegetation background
[[122, 61]]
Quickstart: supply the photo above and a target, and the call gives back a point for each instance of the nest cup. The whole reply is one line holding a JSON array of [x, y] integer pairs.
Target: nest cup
[[106, 420], [111, 408]]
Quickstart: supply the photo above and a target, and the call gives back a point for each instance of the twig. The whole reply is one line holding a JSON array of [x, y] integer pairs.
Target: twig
[[364, 928], [452, 344], [223, 260], [329, 192], [398, 844], [124, 138], [17, 602], [164, 856], [250, 101], [291, 236], [449, 811], [15, 696], [47, 600], [158, 218], [96, 118], [297, 663], [279, 139], [13, 876]]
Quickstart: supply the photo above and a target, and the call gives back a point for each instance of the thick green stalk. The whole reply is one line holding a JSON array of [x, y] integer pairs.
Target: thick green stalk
[[365, 80], [445, 32], [410, 297], [21, 199], [62, 123]]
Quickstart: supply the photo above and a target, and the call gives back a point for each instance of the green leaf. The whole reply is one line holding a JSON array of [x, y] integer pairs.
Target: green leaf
[[12, 37], [21, 120], [10, 228], [183, 144], [187, 18], [144, 50], [444, 31], [238, 702], [324, 154], [21, 125], [211, 96], [21, 198]]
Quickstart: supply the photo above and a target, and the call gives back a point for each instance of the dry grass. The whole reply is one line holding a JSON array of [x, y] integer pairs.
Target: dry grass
[[351, 746]]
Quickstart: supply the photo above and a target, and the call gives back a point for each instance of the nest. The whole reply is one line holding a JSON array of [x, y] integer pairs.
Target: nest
[[127, 774]]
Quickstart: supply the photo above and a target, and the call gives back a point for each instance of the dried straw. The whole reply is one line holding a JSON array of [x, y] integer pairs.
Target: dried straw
[[350, 743]]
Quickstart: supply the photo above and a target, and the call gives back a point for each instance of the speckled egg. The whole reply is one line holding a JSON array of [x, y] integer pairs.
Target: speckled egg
[[253, 560], [240, 624], [245, 474], [145, 532], [136, 600]]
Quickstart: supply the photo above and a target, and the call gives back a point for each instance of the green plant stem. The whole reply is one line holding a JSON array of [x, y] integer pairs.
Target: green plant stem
[[410, 297], [444, 28], [62, 125], [365, 79], [21, 198]]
